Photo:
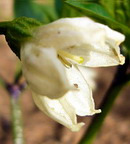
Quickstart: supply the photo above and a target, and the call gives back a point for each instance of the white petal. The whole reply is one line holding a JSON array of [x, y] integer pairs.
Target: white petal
[[43, 71], [81, 99], [113, 36], [98, 55], [59, 110], [89, 75], [96, 43]]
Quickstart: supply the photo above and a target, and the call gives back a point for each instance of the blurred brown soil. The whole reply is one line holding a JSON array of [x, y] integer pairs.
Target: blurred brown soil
[[40, 129]]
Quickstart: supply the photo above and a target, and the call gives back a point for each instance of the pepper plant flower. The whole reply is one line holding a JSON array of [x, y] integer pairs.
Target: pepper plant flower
[[55, 65]]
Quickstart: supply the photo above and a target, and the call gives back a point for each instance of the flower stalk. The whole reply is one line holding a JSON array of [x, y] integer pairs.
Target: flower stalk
[[17, 128], [16, 113], [15, 90], [120, 80]]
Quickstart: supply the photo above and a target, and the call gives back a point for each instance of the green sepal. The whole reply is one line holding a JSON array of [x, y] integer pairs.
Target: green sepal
[[19, 30]]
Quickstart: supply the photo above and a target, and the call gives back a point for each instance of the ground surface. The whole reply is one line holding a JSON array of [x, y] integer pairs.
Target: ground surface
[[40, 129]]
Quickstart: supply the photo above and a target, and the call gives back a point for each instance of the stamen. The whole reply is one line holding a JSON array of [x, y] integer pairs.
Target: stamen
[[78, 59], [65, 62]]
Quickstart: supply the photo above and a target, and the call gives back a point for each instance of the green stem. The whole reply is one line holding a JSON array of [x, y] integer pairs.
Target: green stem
[[118, 83], [3, 27], [17, 127]]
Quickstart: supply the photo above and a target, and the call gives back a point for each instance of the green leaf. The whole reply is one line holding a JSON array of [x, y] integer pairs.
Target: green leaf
[[64, 10], [118, 9], [97, 12], [49, 13], [126, 5], [59, 4], [108, 5], [18, 30]]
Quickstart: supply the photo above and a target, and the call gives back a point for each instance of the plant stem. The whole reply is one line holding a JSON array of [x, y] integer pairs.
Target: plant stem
[[16, 114], [118, 83], [17, 122]]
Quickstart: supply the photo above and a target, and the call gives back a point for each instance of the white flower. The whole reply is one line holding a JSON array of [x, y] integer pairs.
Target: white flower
[[52, 65]]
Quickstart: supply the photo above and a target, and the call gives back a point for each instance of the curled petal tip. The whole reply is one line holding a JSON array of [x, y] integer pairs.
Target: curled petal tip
[[95, 111], [98, 111], [122, 59], [77, 127]]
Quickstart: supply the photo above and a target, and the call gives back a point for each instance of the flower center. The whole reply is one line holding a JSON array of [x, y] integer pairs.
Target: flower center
[[63, 56]]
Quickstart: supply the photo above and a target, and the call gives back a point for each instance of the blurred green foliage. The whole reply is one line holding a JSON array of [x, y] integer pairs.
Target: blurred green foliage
[[43, 12], [114, 13], [110, 13], [64, 10]]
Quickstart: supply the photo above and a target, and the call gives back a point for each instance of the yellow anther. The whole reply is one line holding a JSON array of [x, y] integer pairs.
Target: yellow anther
[[75, 58], [65, 62]]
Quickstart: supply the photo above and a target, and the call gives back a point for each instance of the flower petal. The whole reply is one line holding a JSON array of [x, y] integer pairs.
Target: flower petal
[[43, 71], [59, 110], [81, 99], [94, 56], [89, 75], [96, 43]]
